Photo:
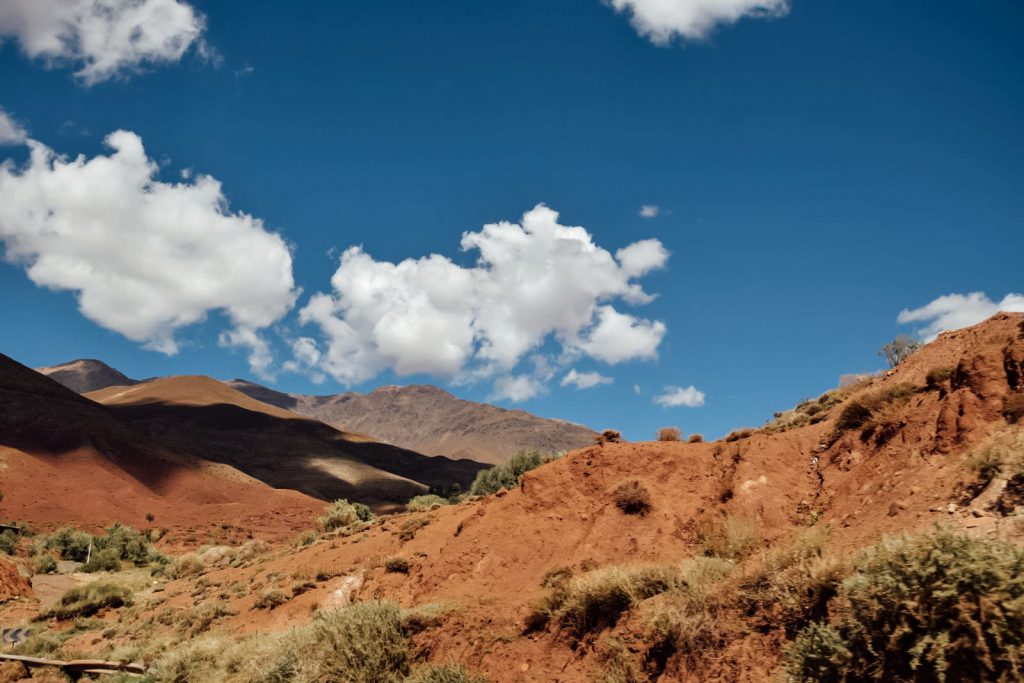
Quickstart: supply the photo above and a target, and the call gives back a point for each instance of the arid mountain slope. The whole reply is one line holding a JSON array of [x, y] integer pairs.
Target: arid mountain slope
[[429, 420], [208, 419], [67, 460], [86, 374], [904, 466]]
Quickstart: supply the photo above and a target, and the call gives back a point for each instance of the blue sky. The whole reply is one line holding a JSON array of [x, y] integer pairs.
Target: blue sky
[[815, 173]]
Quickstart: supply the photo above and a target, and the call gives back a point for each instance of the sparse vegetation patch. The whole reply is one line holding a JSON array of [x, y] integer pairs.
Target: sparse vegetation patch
[[507, 475], [941, 606]]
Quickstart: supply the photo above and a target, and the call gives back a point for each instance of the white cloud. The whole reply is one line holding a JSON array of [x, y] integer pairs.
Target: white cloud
[[673, 397], [649, 211], [662, 20], [103, 39], [516, 388], [619, 337], [533, 282], [953, 311], [11, 132], [637, 390], [584, 380], [145, 258]]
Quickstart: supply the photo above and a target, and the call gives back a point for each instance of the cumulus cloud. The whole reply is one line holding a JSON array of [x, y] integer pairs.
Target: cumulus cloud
[[11, 132], [649, 211], [533, 281], [673, 397], [144, 257], [584, 380], [660, 21], [516, 388], [953, 311], [103, 39]]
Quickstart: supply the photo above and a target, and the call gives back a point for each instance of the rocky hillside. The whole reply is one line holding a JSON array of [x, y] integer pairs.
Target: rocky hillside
[[209, 419], [661, 561], [429, 420], [67, 460], [419, 418]]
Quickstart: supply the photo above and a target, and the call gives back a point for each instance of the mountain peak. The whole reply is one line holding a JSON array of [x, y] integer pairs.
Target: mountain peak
[[87, 374]]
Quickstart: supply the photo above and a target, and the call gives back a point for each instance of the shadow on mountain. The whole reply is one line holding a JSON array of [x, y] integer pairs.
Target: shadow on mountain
[[299, 454]]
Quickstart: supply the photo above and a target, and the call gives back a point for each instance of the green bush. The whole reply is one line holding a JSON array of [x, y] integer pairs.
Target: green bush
[[507, 475], [940, 606], [122, 542], [89, 599], [105, 560], [425, 502], [8, 541], [443, 673], [70, 544], [45, 564], [342, 514]]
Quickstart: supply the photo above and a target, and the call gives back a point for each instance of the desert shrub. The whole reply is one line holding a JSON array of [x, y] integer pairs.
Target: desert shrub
[[1013, 410], [423, 617], [186, 565], [596, 600], [632, 497], [45, 564], [443, 673], [8, 541], [70, 544], [794, 583], [408, 530], [608, 436], [937, 377], [342, 514], [270, 599], [899, 349], [729, 538], [84, 601], [507, 475], [688, 619], [738, 434], [941, 606], [696, 438], [300, 587], [361, 643], [420, 503], [396, 565], [669, 434], [861, 410], [105, 560], [306, 538], [127, 544], [118, 542]]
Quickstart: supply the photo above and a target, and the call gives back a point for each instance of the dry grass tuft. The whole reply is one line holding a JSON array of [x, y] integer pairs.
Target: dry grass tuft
[[632, 497], [730, 538], [669, 434]]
